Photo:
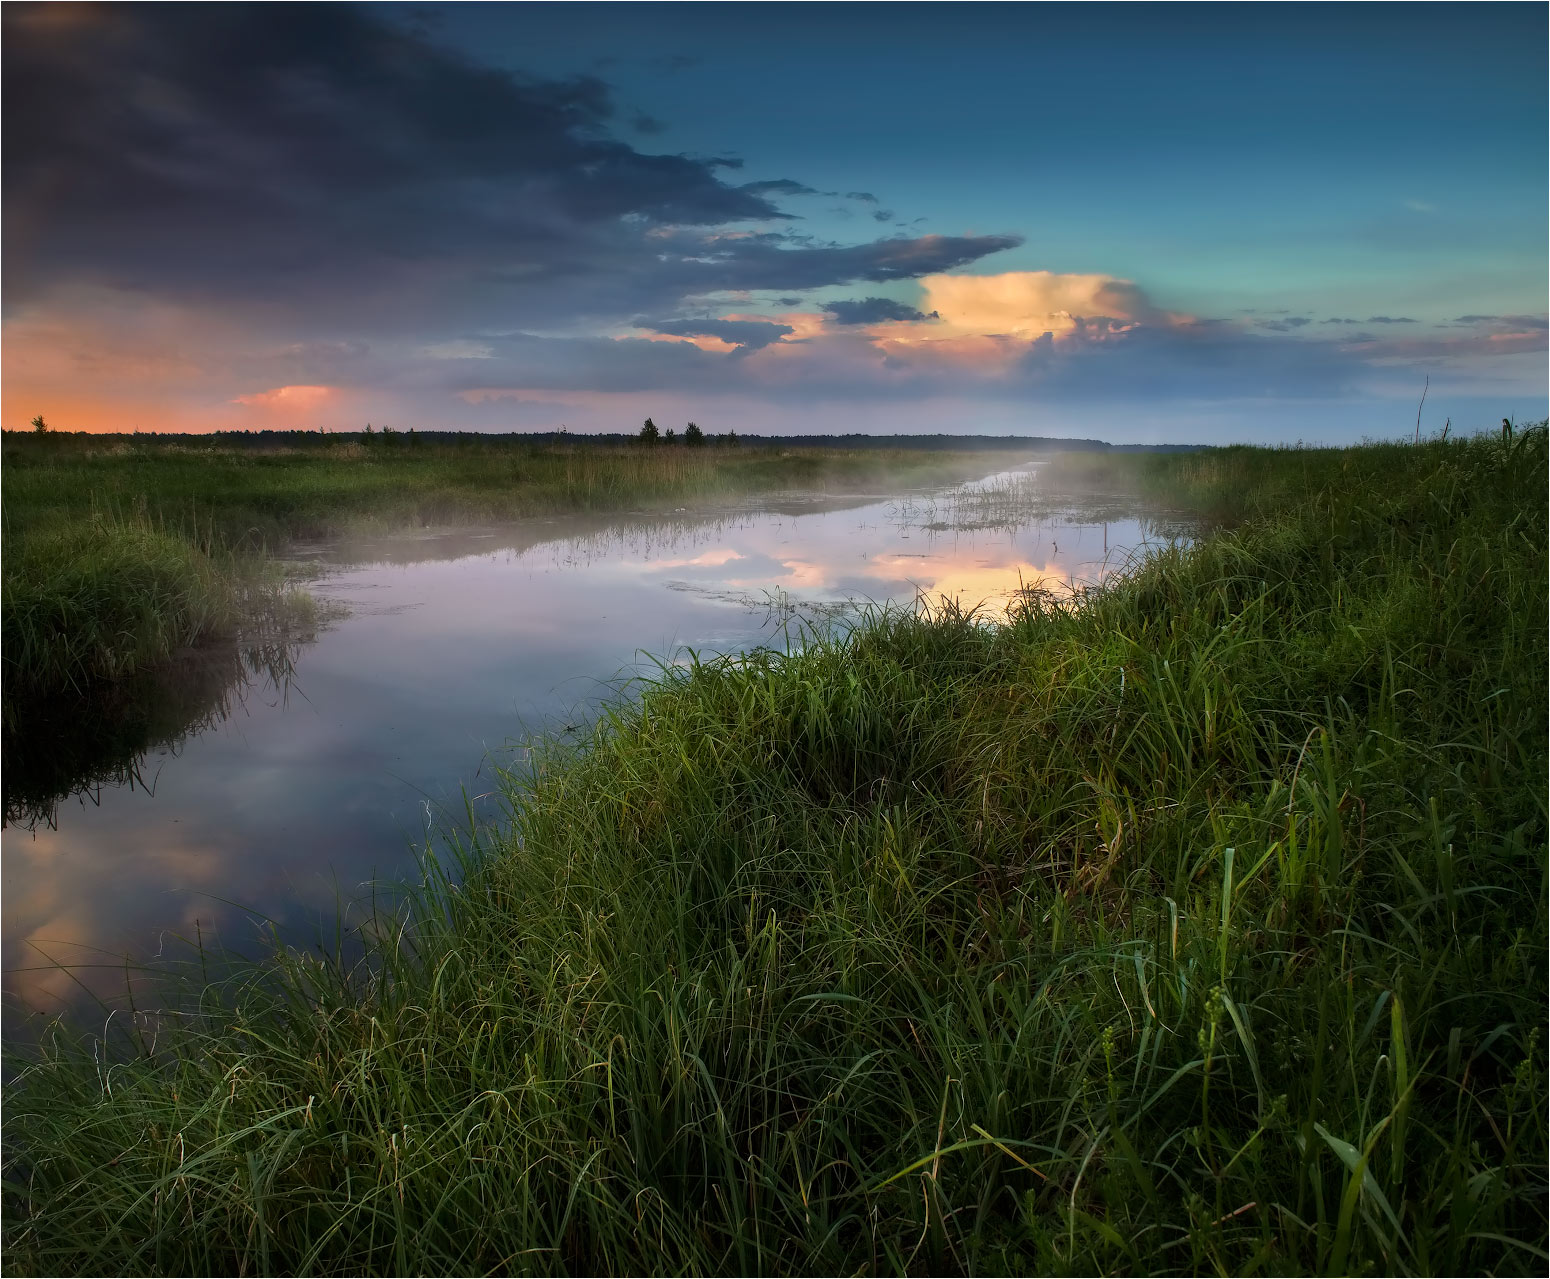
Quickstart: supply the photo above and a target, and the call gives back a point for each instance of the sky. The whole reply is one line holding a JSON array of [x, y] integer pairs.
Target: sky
[[1140, 223]]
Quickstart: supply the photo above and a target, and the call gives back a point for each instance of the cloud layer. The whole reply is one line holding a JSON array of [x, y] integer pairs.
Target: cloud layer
[[230, 215]]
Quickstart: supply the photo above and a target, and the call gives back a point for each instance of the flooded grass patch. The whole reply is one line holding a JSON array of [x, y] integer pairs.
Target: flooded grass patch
[[1193, 923]]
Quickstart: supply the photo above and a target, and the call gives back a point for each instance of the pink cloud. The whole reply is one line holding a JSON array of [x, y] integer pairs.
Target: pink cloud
[[289, 397]]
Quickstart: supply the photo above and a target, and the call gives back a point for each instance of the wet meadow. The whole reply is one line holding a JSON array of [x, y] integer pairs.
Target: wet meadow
[[1191, 921]]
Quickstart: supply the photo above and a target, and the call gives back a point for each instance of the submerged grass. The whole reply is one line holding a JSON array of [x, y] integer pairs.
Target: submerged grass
[[1194, 924]]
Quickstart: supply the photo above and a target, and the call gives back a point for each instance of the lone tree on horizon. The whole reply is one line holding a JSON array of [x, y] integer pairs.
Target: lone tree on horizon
[[693, 436], [39, 425], [648, 432]]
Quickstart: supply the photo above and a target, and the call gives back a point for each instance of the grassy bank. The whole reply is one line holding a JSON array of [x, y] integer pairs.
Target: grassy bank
[[1197, 925], [121, 550]]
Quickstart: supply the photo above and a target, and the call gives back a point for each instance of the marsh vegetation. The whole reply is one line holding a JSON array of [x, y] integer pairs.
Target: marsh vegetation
[[1192, 923]]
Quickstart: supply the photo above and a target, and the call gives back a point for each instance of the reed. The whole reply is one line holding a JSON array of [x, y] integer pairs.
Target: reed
[[1194, 924]]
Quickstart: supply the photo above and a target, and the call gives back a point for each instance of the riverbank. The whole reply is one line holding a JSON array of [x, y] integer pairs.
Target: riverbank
[[1194, 924]]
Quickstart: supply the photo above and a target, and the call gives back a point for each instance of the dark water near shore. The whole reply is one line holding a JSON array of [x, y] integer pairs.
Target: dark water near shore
[[256, 788]]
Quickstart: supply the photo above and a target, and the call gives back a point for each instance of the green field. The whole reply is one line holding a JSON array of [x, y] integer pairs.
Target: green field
[[1194, 925]]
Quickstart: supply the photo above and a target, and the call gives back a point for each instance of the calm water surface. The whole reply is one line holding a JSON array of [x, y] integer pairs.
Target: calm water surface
[[292, 791]]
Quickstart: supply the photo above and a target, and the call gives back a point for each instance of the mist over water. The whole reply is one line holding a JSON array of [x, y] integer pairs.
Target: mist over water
[[301, 777]]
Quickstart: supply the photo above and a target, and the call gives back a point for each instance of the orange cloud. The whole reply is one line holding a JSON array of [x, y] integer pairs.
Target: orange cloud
[[1029, 304], [705, 342], [974, 352], [94, 359], [116, 410], [987, 321], [83, 368], [298, 398]]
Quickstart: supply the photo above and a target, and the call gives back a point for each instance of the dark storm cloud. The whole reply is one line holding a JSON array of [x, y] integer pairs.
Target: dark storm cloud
[[657, 275], [526, 360], [324, 169], [1152, 361], [749, 335], [873, 311], [157, 141]]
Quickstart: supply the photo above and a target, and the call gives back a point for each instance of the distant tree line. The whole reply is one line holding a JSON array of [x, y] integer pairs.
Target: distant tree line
[[693, 437]]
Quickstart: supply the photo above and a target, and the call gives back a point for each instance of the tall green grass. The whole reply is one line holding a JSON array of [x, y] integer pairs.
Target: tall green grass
[[1196, 924]]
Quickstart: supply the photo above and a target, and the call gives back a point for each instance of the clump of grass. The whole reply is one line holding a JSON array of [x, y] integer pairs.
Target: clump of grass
[[106, 598], [1197, 923]]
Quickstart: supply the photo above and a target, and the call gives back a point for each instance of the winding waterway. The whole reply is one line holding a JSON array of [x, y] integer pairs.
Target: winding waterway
[[298, 775]]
